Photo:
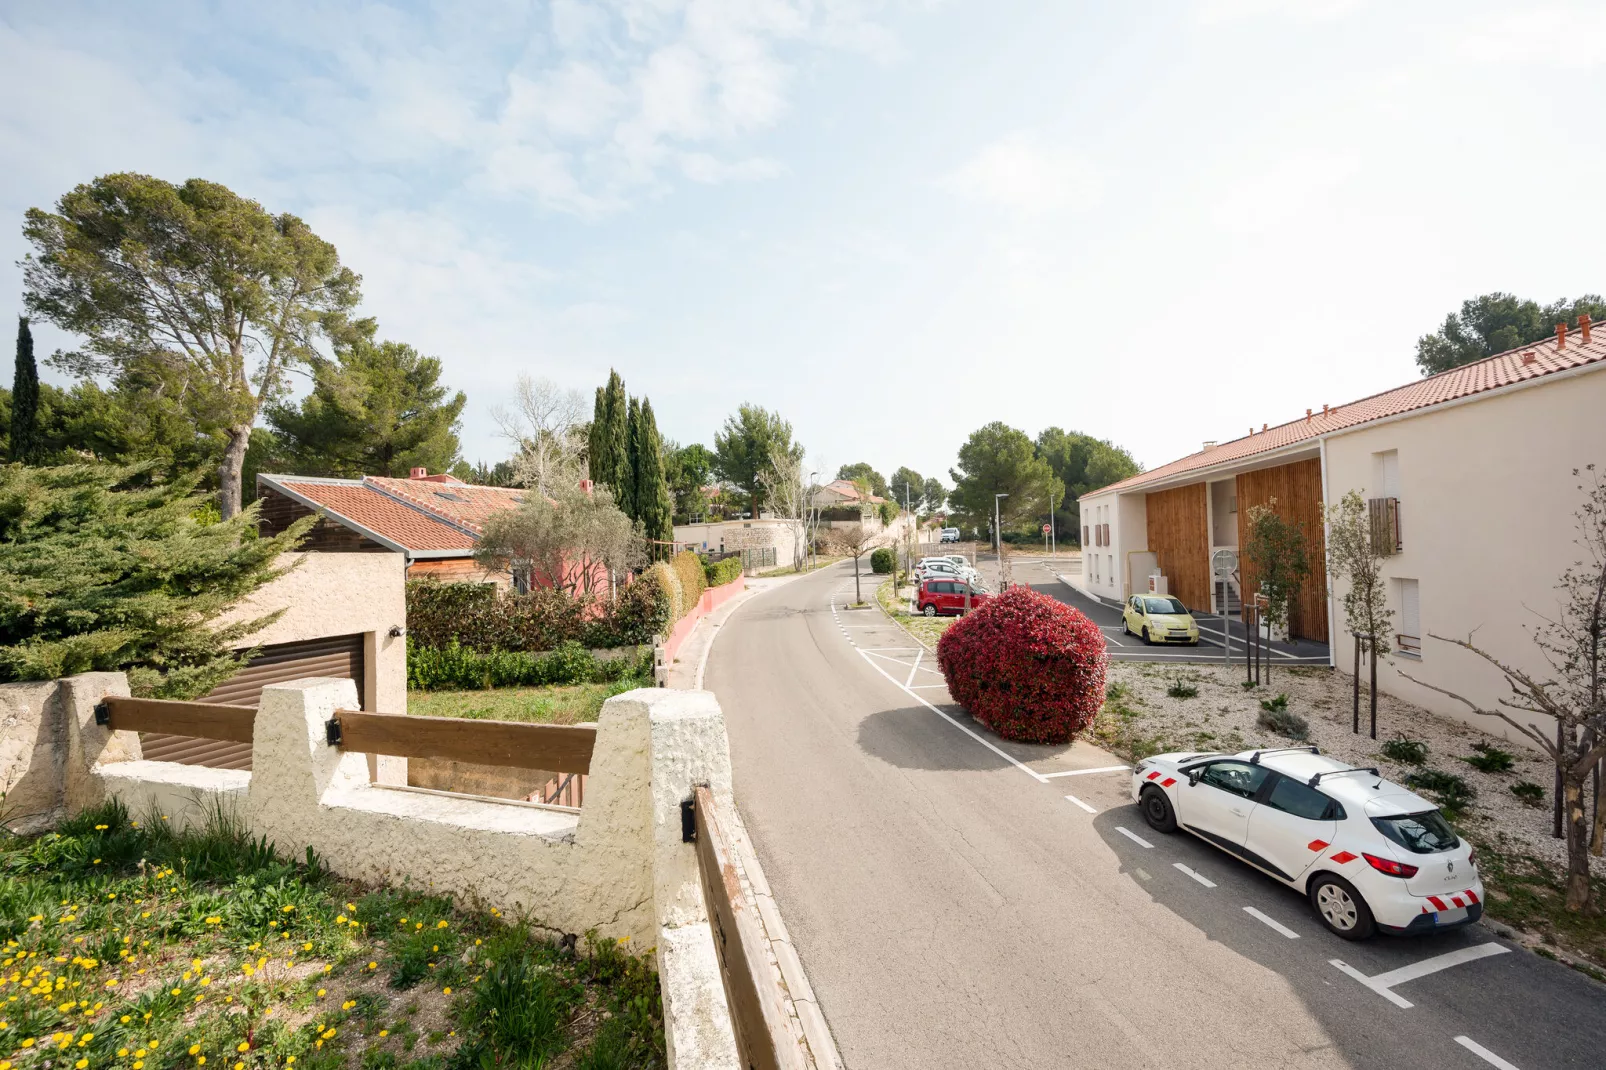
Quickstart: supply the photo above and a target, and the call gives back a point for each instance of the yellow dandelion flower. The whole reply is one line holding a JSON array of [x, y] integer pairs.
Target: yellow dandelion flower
[[446, 991], [289, 1060], [321, 992], [243, 1046], [373, 965], [195, 1049], [239, 1066], [81, 1063], [200, 1060], [384, 1032], [139, 1064]]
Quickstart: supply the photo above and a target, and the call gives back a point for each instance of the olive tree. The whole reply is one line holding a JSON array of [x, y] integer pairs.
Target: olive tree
[[1352, 554], [1277, 549], [571, 541]]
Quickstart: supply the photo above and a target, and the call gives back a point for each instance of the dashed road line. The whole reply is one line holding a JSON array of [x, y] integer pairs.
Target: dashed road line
[[1484, 1053], [1134, 837], [1085, 772], [1272, 922], [1195, 874], [1083, 805]]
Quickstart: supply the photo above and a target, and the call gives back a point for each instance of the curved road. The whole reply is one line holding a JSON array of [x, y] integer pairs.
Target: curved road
[[956, 904]]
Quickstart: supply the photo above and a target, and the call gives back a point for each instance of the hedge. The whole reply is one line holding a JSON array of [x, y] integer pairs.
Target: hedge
[[478, 617], [882, 560], [689, 569], [1029, 667], [726, 570], [457, 668]]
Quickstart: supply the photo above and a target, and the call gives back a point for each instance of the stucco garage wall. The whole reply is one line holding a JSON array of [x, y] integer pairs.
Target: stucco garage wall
[[1487, 498]]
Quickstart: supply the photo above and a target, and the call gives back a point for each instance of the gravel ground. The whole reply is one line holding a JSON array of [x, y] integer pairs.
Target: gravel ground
[[1223, 717]]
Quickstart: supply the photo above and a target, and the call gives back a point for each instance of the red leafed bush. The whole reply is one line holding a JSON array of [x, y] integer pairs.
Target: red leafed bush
[[1030, 668]]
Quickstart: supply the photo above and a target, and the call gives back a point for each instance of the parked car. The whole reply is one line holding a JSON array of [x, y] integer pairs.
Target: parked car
[[946, 594], [1367, 853], [1159, 619], [929, 569], [949, 535]]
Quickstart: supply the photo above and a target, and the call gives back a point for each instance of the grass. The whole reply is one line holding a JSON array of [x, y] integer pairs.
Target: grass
[[926, 630], [1525, 892], [129, 946], [1406, 751], [558, 704]]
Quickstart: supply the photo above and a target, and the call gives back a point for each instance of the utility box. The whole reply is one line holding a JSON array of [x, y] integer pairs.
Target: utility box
[[1158, 584]]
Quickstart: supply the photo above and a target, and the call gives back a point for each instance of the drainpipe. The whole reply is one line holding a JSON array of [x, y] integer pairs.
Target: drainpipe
[[1332, 634]]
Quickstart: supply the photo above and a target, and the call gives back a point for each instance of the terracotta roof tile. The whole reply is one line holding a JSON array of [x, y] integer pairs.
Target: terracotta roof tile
[[379, 513], [465, 504], [1491, 373]]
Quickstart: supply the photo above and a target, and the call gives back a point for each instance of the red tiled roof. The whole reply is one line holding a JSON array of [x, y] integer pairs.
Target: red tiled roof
[[366, 507], [466, 504], [1491, 373]]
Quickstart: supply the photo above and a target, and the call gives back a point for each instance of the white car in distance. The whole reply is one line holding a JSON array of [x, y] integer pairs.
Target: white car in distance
[[1368, 854]]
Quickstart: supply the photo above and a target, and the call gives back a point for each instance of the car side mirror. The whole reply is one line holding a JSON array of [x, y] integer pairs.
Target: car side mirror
[[1193, 780]]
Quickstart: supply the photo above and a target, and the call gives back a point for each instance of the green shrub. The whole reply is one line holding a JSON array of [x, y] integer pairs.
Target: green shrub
[[1490, 759], [665, 578], [1281, 720], [719, 573], [689, 570], [1182, 687], [882, 560], [1406, 751], [1275, 705], [479, 617], [1528, 792], [1452, 793], [457, 668]]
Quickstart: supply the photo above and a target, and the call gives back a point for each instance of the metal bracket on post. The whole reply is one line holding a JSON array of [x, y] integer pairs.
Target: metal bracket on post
[[331, 731], [688, 819], [103, 714]]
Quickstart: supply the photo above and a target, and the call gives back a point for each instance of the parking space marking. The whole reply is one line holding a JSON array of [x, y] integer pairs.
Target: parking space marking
[[1388, 994], [1085, 772], [1134, 837], [1273, 922], [914, 668], [1085, 806], [1458, 957], [1484, 1053], [1195, 874]]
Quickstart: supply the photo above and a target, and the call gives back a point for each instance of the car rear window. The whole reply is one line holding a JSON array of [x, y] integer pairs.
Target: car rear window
[[1422, 834]]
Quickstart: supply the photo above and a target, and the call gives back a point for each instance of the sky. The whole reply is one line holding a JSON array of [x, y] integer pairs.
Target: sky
[[1153, 222]]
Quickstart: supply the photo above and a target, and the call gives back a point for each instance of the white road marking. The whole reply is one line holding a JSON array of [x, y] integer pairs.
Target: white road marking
[[1134, 837], [1084, 806], [1273, 922], [926, 687], [1085, 772], [1484, 1053], [1438, 962], [1200, 877], [1028, 770], [1391, 996], [914, 669]]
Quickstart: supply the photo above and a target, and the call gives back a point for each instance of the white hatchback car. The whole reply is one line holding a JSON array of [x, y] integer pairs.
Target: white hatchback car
[[1367, 853]]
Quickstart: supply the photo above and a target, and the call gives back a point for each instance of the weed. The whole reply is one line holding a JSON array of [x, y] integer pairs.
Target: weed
[[1528, 792], [1406, 751], [1490, 759], [1452, 793], [1275, 705], [1182, 687], [1247, 685], [1281, 720]]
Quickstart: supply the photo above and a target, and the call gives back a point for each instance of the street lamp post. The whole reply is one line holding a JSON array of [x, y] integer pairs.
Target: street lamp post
[[810, 528], [998, 539]]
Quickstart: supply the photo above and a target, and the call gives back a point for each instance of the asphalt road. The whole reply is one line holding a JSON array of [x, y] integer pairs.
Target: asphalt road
[[957, 904]]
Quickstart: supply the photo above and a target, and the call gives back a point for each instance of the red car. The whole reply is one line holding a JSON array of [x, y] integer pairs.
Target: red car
[[938, 595]]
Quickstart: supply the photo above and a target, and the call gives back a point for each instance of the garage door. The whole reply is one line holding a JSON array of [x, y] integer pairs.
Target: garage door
[[338, 656]]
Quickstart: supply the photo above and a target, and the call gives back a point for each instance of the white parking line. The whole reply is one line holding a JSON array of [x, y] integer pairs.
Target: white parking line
[[1484, 1053], [914, 669], [1273, 922], [1084, 772], [1134, 837], [1383, 984], [1200, 877], [1085, 806], [1392, 997]]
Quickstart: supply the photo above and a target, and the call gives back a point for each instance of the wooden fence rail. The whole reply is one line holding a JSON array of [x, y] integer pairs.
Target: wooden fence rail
[[757, 1009], [207, 720], [560, 748]]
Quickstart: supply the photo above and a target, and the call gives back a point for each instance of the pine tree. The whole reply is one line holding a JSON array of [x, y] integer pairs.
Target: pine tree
[[25, 398], [654, 505], [101, 574], [626, 491]]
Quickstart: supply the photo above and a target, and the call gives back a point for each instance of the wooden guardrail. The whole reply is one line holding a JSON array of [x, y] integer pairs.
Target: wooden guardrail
[[207, 720], [757, 1009], [560, 748]]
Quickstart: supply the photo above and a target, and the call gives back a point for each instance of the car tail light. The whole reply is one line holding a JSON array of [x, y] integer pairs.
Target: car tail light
[[1389, 866], [1472, 856]]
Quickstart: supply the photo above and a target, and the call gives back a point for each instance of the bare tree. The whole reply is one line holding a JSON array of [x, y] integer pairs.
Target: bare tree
[[1352, 552], [545, 426], [854, 540], [569, 540], [790, 492], [1572, 643]]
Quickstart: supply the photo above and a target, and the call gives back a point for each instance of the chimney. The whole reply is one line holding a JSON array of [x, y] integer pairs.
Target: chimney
[[418, 473], [1561, 336], [1263, 428], [1307, 416], [1584, 325], [585, 486], [1324, 408], [1209, 445], [1529, 356]]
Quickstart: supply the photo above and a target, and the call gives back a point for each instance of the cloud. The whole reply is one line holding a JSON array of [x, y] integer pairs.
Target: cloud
[[1556, 37], [1306, 10], [1020, 174]]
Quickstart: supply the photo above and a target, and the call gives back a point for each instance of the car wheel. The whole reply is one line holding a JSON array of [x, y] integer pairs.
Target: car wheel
[[1157, 810], [1341, 908], [1126, 629], [1146, 640], [929, 610]]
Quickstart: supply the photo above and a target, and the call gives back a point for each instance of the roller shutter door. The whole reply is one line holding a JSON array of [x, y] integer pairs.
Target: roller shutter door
[[339, 656]]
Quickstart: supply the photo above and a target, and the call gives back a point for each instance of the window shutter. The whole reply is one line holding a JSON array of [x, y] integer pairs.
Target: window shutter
[[1391, 475], [1085, 534]]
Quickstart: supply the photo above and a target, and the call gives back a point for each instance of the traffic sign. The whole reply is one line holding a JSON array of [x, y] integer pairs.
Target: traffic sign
[[1045, 529]]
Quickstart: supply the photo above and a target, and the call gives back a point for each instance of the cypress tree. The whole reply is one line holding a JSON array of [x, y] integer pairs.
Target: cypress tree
[[598, 457], [654, 505], [24, 397], [632, 460], [617, 453]]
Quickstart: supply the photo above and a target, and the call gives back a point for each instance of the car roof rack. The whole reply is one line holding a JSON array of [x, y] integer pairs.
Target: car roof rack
[[1254, 759], [1313, 781]]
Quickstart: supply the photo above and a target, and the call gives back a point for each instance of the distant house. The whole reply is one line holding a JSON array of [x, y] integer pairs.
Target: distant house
[[433, 521], [841, 492], [1468, 476]]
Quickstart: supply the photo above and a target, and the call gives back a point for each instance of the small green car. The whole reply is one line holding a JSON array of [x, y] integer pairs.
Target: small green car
[[1159, 619]]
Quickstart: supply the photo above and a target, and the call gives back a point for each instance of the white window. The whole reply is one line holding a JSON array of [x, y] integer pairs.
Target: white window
[[1410, 620]]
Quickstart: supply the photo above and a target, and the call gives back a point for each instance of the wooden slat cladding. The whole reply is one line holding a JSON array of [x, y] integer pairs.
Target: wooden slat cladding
[[327, 536], [339, 656], [757, 1009], [561, 748], [1298, 490], [1179, 536]]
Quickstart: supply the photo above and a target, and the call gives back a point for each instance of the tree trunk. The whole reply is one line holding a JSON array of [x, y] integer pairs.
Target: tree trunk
[[858, 595], [1555, 818], [1371, 657], [231, 472], [1356, 727], [1578, 890], [1599, 835]]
